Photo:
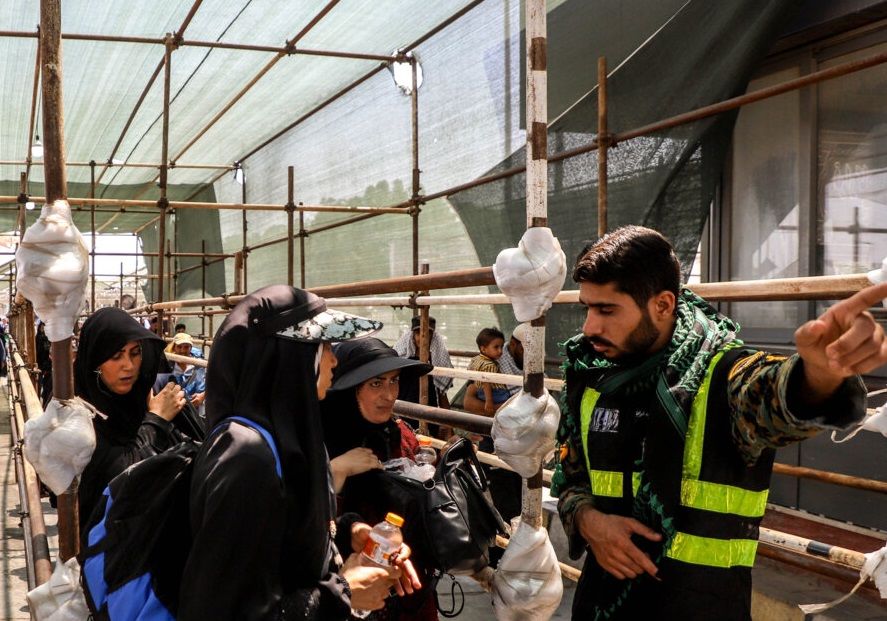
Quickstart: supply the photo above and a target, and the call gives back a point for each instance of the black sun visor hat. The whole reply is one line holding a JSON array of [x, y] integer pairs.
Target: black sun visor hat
[[368, 358], [308, 320]]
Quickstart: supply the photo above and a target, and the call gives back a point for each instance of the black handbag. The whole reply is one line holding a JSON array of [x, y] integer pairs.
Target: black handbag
[[448, 520]]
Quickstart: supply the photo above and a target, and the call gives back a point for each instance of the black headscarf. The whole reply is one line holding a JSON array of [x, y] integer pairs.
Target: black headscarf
[[104, 333], [345, 427], [272, 380]]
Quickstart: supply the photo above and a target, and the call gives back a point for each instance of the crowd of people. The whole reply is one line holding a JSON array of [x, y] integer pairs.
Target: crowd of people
[[655, 374]]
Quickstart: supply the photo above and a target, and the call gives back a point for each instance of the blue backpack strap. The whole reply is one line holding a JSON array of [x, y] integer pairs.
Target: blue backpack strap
[[269, 440]]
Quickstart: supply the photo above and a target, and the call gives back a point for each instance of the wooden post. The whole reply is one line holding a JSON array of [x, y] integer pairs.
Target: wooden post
[[603, 138], [290, 210], [56, 184], [537, 215]]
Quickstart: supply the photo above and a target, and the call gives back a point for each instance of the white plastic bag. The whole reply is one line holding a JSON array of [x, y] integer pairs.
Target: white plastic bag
[[532, 274], [523, 431], [59, 443], [527, 585], [53, 268], [877, 422], [61, 597]]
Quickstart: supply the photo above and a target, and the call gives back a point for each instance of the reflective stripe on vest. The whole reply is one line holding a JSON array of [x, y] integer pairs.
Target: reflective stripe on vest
[[712, 552], [603, 482], [705, 495]]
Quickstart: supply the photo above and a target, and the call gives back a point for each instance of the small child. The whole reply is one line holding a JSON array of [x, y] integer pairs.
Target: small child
[[490, 342]]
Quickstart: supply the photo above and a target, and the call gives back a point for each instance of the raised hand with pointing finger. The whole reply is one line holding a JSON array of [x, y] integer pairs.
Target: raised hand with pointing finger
[[844, 341]]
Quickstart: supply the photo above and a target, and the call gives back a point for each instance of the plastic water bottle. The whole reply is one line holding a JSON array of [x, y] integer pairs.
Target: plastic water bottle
[[426, 457], [426, 453], [385, 539]]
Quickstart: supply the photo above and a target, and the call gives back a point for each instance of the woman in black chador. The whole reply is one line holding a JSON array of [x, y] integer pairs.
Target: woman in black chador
[[263, 543], [117, 361]]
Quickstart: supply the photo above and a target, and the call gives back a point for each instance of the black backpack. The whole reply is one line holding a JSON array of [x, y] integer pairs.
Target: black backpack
[[138, 538], [449, 520]]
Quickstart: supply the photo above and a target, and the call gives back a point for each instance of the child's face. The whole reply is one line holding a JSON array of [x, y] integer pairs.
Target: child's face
[[493, 349]]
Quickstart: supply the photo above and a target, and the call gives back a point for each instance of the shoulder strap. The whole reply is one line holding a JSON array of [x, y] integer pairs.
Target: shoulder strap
[[269, 439]]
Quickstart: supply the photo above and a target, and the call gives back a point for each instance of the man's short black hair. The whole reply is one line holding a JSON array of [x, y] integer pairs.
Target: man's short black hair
[[488, 335], [182, 327], [639, 261]]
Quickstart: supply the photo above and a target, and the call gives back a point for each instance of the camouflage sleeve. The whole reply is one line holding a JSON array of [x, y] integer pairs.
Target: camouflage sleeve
[[574, 494], [570, 482], [763, 392]]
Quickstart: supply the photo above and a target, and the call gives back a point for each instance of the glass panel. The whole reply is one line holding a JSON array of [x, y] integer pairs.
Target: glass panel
[[765, 200], [853, 168]]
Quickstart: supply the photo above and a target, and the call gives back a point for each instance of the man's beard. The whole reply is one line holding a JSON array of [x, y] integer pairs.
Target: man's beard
[[638, 344]]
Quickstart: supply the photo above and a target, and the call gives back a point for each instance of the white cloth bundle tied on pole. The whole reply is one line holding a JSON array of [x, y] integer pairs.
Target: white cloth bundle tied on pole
[[523, 431], [60, 442], [53, 268], [528, 584], [532, 274]]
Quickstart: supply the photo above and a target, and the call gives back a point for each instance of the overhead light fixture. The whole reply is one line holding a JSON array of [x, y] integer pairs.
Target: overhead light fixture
[[116, 162], [30, 205], [238, 173], [402, 72], [37, 148]]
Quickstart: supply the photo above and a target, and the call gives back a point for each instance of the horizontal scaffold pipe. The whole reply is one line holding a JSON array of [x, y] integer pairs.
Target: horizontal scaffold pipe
[[454, 418], [802, 545], [180, 42], [441, 280], [495, 378], [199, 205], [115, 164], [777, 289], [802, 288]]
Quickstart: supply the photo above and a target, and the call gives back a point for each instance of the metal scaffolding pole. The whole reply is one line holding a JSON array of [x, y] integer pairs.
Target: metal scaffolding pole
[[537, 215]]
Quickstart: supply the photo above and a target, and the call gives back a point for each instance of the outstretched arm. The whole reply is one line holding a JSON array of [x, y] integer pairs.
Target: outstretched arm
[[844, 341]]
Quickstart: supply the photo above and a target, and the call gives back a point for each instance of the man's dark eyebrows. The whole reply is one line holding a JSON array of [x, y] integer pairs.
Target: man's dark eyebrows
[[598, 305]]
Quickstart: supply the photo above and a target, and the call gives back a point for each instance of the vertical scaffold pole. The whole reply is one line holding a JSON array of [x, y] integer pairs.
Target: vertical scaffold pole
[[92, 231], [537, 215], [414, 137], [290, 210], [425, 381], [603, 137], [163, 202], [55, 178]]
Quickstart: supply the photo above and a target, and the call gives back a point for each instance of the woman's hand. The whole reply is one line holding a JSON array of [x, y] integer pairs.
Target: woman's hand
[[168, 402], [369, 585], [409, 579], [355, 461], [198, 399]]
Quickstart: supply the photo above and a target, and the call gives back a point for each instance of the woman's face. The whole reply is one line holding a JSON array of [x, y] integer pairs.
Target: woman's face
[[325, 373], [120, 372], [376, 397]]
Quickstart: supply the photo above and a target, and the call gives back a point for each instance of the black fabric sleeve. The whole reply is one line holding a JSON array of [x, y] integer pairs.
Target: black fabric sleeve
[[343, 532], [238, 519], [111, 457]]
